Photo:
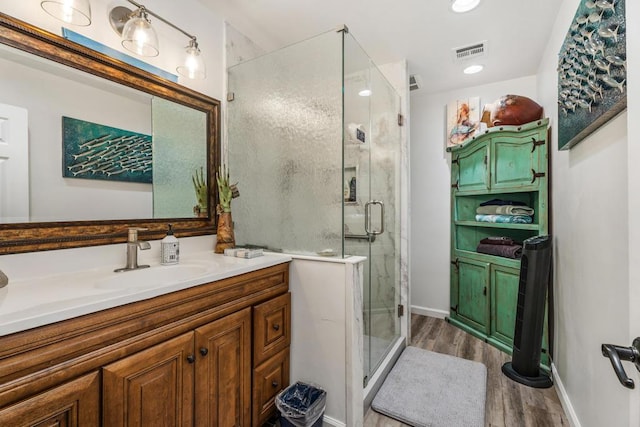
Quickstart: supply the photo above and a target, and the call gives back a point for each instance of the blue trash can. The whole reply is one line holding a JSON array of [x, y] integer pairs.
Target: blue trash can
[[301, 405]]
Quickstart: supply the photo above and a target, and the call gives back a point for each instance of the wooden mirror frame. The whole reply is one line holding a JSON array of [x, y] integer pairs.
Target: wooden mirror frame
[[40, 236]]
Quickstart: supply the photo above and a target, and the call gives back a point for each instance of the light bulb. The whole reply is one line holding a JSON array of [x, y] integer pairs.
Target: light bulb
[[76, 12], [138, 36], [193, 66]]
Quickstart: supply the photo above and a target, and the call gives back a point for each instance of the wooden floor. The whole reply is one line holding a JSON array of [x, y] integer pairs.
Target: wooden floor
[[509, 404]]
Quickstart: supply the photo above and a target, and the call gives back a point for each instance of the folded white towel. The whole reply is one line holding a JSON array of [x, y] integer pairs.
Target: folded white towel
[[504, 210]]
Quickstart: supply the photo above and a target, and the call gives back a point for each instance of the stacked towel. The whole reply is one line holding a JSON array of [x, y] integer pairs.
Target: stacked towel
[[506, 251], [504, 211], [505, 219]]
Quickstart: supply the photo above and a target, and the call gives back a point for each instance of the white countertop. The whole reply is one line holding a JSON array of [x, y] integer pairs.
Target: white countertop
[[36, 301]]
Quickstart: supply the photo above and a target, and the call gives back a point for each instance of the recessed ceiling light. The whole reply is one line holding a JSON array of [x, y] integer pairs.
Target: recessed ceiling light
[[472, 69], [365, 92], [461, 6]]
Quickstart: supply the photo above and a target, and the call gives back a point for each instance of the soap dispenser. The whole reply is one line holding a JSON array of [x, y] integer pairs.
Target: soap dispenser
[[169, 248]]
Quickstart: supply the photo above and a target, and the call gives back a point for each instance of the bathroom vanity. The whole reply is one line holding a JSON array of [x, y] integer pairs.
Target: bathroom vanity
[[212, 351]]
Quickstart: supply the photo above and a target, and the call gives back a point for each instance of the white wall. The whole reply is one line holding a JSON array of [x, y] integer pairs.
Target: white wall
[[633, 159], [590, 218], [430, 189]]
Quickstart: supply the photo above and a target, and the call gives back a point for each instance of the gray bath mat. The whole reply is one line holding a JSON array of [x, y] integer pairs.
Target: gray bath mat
[[427, 389]]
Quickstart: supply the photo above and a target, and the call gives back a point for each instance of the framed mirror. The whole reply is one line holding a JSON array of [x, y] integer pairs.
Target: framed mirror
[[76, 195]]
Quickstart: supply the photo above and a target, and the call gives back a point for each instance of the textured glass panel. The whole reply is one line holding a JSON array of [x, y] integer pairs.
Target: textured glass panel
[[284, 133], [179, 150]]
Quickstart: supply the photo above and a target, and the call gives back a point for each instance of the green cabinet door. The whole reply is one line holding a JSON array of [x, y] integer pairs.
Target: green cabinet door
[[504, 299], [471, 167], [472, 284], [516, 161]]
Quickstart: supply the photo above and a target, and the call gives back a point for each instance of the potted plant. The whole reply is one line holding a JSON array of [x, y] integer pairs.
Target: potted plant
[[226, 192]]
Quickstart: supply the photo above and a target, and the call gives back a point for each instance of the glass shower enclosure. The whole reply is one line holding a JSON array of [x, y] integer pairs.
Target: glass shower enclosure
[[314, 142]]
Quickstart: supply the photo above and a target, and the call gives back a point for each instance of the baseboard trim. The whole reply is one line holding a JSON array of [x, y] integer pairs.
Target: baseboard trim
[[564, 399], [431, 312], [328, 421]]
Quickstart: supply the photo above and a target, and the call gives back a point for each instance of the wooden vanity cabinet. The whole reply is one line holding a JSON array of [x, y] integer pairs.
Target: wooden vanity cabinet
[[73, 404], [184, 359]]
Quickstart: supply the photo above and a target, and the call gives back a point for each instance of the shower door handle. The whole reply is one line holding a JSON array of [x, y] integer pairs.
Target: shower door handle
[[367, 217]]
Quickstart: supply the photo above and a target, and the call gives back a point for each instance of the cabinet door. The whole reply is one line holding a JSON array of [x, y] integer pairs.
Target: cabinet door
[[272, 328], [472, 281], [151, 388], [223, 371], [74, 404], [515, 161], [471, 164], [504, 299], [268, 380]]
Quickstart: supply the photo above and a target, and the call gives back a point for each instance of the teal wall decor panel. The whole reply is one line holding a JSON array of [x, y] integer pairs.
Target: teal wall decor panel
[[592, 70], [94, 151]]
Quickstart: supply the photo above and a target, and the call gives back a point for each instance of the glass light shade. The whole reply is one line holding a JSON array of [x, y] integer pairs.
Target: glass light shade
[[75, 12], [472, 69], [138, 36], [461, 6], [193, 66]]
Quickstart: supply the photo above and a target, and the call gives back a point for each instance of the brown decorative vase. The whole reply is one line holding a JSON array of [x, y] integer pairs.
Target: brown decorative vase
[[225, 238], [514, 110]]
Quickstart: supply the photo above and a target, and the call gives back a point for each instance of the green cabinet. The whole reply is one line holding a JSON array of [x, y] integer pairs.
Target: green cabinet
[[509, 162], [472, 304]]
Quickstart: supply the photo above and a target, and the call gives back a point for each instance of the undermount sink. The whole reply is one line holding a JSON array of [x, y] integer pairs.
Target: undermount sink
[[152, 277]]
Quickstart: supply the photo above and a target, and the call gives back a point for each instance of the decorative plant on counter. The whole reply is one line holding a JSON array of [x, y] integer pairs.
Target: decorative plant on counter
[[202, 193], [226, 192]]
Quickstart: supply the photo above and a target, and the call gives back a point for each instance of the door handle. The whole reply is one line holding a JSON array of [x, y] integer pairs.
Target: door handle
[[367, 217], [617, 354]]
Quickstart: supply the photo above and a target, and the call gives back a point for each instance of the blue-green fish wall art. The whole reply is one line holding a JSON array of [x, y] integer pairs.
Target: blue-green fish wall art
[[592, 70], [93, 151]]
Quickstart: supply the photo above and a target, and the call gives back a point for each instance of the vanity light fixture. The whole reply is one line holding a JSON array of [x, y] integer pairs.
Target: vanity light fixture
[[75, 12], [473, 69], [193, 66], [138, 36], [461, 6]]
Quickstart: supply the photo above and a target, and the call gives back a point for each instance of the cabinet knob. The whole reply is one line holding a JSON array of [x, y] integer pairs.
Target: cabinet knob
[[204, 351], [276, 327], [191, 358], [275, 384]]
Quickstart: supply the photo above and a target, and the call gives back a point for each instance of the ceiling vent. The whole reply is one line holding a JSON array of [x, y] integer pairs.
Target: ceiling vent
[[475, 50], [415, 82]]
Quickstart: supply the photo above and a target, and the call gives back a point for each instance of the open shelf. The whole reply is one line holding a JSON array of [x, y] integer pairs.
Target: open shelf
[[509, 226]]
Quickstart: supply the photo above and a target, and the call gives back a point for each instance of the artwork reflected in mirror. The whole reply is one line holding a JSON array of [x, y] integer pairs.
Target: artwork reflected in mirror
[[43, 78], [124, 154]]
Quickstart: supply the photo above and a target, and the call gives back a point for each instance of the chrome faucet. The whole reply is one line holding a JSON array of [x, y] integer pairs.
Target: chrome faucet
[[132, 250]]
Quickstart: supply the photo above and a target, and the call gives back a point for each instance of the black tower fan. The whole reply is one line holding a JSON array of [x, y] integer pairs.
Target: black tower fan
[[535, 267]]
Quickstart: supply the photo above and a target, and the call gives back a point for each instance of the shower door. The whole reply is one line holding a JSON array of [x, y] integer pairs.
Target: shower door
[[371, 218]]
